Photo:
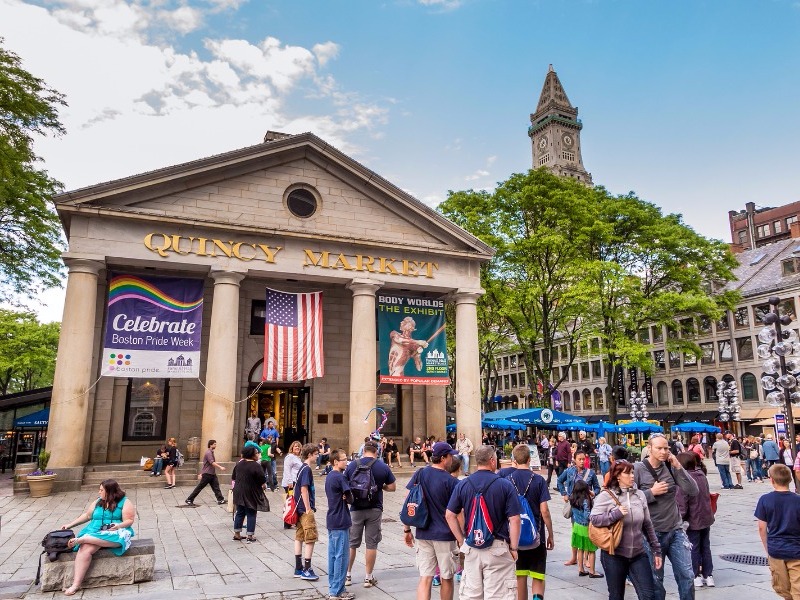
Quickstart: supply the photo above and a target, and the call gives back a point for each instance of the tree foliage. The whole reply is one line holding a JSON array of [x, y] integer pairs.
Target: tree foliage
[[30, 234], [575, 263], [27, 352]]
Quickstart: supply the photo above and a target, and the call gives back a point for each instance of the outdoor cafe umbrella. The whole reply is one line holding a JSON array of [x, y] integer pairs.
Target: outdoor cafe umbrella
[[496, 424], [639, 427], [695, 427], [599, 429], [540, 417]]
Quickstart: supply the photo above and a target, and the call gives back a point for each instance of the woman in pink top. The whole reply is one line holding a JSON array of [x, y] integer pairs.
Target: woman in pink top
[[696, 447]]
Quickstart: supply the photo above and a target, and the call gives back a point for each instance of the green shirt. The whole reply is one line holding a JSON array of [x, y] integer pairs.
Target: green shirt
[[265, 452]]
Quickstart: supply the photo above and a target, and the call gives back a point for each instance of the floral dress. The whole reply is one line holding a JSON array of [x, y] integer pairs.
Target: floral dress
[[100, 517]]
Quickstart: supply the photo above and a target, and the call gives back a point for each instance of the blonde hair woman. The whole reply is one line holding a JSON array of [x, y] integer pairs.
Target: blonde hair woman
[[291, 467], [171, 462]]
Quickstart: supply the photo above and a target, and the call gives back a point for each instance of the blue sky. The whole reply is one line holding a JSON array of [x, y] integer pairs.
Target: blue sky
[[694, 105]]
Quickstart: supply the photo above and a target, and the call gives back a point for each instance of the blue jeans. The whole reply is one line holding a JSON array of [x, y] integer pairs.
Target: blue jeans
[[238, 519], [675, 545], [338, 541], [465, 463], [617, 568], [157, 464], [725, 476], [604, 467]]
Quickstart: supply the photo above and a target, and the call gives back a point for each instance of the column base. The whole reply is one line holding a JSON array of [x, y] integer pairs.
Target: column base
[[68, 479]]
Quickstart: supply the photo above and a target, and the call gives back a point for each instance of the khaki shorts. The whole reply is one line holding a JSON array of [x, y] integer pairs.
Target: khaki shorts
[[785, 577], [306, 528], [432, 554], [736, 464]]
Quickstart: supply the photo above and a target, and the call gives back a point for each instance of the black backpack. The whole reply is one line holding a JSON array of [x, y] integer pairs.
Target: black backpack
[[363, 486], [54, 543]]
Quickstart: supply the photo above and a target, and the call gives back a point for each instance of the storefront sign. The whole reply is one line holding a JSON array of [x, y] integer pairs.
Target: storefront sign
[[153, 327], [412, 344], [167, 244], [780, 425]]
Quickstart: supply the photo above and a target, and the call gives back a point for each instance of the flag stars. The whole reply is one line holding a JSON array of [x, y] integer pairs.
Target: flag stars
[[281, 309]]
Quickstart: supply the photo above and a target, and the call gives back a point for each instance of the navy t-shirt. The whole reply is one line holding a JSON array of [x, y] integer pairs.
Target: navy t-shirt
[[305, 477], [338, 516], [537, 492], [781, 512], [438, 486], [501, 499], [381, 473]]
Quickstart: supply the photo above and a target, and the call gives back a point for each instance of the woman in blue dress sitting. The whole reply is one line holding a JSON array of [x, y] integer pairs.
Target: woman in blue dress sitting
[[109, 525]]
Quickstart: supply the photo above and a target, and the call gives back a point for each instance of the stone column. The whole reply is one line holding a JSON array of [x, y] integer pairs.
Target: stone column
[[408, 417], [363, 360], [436, 410], [221, 364], [69, 407], [468, 391]]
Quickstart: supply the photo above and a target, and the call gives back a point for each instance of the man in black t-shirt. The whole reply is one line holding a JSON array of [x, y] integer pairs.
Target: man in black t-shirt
[[736, 459]]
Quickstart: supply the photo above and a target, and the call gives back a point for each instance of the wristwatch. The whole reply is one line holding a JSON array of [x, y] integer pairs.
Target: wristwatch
[[513, 549]]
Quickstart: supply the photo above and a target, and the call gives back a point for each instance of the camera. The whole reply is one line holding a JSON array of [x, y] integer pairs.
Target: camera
[[106, 527]]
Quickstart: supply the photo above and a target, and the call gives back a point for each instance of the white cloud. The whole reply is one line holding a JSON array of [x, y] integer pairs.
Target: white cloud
[[479, 174], [137, 103], [444, 4]]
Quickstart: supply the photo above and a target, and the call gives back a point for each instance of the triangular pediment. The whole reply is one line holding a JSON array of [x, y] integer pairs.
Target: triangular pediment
[[248, 188]]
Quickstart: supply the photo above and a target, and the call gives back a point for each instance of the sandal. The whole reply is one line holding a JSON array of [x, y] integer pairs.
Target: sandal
[[583, 573], [237, 536], [251, 539], [596, 575]]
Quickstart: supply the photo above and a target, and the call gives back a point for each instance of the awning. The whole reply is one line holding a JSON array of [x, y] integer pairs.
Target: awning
[[753, 414], [769, 422], [37, 419], [674, 417]]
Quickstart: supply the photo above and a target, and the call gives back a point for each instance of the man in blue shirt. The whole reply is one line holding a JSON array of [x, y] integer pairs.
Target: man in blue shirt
[[436, 544], [367, 519], [269, 430], [488, 570], [338, 522], [306, 523], [778, 515]]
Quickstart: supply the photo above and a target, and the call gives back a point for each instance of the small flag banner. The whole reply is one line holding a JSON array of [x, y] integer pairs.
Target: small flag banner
[[293, 336]]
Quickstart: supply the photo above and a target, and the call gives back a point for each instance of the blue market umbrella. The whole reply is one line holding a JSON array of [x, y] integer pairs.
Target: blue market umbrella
[[496, 424], [600, 429], [540, 417], [640, 427], [451, 428], [695, 427]]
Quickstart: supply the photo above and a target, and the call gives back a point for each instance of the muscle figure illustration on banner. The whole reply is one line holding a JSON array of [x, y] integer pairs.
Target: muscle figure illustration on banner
[[153, 327], [412, 341], [293, 336]]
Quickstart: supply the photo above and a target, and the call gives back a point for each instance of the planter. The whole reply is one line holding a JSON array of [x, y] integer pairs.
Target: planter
[[40, 485]]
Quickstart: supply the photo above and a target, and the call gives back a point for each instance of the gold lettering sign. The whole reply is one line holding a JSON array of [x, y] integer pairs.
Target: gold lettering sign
[[165, 244]]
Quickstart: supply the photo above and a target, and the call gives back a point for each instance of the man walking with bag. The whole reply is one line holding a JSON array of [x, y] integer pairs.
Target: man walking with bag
[[208, 476], [659, 476], [491, 554], [436, 544]]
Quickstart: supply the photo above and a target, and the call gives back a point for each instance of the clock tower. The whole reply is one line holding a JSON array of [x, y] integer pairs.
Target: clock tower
[[555, 132]]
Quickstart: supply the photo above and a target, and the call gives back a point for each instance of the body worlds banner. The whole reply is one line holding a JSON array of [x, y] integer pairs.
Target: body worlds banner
[[412, 343], [153, 327]]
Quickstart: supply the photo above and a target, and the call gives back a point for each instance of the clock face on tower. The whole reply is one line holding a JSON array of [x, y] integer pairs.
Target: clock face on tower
[[543, 143], [568, 140]]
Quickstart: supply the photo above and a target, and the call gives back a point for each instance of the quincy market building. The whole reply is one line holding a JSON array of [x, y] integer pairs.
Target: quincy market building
[[291, 214]]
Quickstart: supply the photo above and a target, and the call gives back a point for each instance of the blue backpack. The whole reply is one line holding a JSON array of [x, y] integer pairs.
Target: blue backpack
[[480, 529], [414, 512], [529, 532]]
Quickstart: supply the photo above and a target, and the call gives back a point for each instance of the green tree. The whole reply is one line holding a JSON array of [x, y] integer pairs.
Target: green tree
[[535, 221], [27, 351], [30, 234], [646, 268]]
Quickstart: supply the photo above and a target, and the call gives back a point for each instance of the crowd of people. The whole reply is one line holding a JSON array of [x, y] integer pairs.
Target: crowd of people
[[663, 502]]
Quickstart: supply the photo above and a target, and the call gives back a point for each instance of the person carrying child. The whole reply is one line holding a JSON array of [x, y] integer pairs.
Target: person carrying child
[[581, 502]]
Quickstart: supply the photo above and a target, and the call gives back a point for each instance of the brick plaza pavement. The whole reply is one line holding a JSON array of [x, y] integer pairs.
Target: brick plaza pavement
[[196, 558]]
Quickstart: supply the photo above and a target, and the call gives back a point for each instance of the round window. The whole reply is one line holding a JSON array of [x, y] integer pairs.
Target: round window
[[301, 203]]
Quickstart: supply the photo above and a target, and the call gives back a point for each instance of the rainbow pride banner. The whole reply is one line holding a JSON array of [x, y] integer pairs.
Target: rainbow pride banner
[[153, 327]]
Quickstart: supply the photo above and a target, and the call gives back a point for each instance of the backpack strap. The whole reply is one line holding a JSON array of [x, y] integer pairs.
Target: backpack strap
[[650, 468], [39, 570]]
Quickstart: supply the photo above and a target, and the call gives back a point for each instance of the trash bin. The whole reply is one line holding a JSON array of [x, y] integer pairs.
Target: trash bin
[[193, 447]]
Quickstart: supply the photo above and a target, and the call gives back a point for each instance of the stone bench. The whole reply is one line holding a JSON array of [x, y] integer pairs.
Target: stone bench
[[135, 566]]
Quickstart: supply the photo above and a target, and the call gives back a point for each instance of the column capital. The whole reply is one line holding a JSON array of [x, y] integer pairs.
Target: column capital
[[226, 277], [364, 287], [84, 265], [467, 296]]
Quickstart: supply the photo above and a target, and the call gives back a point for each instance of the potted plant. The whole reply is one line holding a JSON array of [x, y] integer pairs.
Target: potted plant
[[41, 480]]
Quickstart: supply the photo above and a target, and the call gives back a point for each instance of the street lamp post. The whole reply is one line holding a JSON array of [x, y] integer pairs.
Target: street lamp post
[[781, 367], [637, 404]]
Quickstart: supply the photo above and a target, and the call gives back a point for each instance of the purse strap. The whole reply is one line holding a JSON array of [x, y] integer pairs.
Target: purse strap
[[610, 493]]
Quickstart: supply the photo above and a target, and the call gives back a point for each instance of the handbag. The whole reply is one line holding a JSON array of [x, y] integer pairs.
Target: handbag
[[567, 510], [231, 506], [290, 509], [54, 543], [714, 496], [148, 464], [607, 538], [753, 454]]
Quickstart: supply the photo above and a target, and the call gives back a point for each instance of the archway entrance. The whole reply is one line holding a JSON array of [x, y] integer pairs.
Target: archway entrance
[[287, 404]]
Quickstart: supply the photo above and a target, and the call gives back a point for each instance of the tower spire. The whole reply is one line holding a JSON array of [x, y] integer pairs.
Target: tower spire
[[555, 132]]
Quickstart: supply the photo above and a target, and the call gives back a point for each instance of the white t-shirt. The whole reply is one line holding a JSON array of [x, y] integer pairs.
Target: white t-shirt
[[723, 452]]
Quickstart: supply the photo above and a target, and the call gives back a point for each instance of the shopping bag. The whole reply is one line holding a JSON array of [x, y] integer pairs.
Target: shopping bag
[[290, 509]]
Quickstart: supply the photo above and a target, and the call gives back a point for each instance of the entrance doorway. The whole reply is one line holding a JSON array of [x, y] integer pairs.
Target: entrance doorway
[[287, 406]]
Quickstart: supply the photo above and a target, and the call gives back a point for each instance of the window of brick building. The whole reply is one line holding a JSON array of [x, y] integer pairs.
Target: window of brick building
[[762, 231]]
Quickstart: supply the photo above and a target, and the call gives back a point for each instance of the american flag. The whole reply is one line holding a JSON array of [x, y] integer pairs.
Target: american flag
[[293, 336]]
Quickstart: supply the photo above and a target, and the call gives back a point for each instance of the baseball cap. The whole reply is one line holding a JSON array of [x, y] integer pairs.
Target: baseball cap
[[443, 449]]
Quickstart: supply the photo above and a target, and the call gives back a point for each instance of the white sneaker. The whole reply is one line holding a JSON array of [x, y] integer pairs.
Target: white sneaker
[[709, 581], [698, 582]]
